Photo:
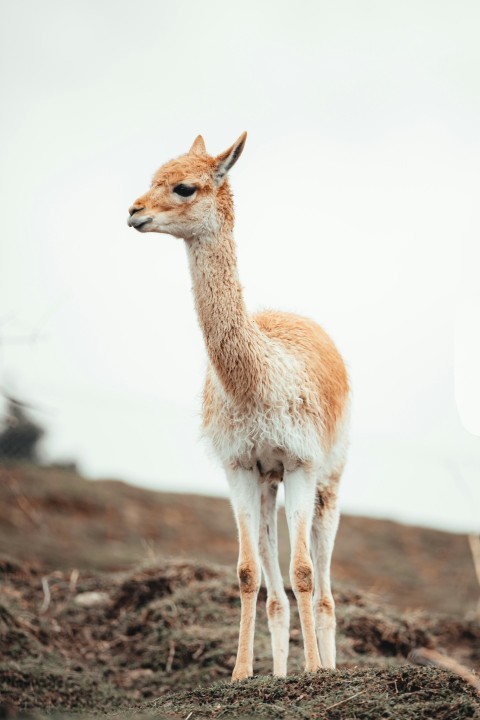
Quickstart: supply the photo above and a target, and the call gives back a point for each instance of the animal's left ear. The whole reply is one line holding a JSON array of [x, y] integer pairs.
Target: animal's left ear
[[227, 159], [198, 147]]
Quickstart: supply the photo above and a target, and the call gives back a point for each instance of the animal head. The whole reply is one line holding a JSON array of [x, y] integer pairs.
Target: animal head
[[190, 195]]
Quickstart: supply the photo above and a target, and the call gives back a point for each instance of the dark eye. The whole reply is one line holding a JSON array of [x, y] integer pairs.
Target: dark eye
[[184, 190]]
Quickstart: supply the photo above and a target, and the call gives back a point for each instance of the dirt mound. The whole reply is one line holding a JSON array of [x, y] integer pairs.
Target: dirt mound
[[142, 587], [382, 631], [81, 632], [58, 518], [101, 642], [402, 693]]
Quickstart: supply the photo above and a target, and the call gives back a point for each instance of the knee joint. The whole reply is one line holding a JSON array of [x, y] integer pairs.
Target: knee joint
[[248, 577], [302, 577], [276, 607], [325, 605]]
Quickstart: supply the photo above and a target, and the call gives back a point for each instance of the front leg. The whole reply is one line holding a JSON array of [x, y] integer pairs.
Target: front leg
[[245, 498]]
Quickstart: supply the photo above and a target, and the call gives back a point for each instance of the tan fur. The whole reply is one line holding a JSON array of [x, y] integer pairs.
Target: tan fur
[[198, 147], [312, 658], [326, 498], [193, 168], [248, 571], [275, 382], [274, 607], [239, 363], [234, 343], [249, 582], [302, 582], [326, 383], [208, 402], [325, 604]]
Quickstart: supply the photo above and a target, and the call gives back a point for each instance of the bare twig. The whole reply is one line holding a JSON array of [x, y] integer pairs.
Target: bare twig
[[474, 541], [362, 692], [198, 652], [74, 575], [171, 655], [149, 547], [28, 509], [189, 715], [46, 596], [22, 501]]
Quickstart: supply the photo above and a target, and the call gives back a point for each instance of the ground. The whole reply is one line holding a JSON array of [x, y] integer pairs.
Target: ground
[[95, 621]]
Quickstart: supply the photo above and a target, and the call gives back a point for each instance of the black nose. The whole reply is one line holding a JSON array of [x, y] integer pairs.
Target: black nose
[[135, 208]]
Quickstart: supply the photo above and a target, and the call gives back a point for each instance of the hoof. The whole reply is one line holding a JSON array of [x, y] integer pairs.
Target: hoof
[[242, 673], [329, 666]]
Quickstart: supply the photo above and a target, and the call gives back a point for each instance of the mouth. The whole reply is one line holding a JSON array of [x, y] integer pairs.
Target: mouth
[[139, 223]]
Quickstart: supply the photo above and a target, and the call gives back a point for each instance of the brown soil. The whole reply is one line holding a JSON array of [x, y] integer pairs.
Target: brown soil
[[159, 639], [64, 521]]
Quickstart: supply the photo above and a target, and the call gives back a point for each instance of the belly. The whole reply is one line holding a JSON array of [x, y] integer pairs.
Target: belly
[[268, 441]]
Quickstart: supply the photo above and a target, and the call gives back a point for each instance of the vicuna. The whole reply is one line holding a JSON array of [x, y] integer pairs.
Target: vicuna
[[275, 408]]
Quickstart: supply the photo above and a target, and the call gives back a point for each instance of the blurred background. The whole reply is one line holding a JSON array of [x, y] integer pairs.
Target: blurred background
[[356, 204]]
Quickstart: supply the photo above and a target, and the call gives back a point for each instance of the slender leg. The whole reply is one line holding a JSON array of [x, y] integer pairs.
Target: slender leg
[[278, 607], [299, 507], [245, 496], [324, 529]]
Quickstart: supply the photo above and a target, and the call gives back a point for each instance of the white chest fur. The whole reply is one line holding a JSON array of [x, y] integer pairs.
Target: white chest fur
[[271, 432]]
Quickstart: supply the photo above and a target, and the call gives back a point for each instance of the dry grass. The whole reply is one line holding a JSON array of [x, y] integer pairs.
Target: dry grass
[[171, 627], [83, 632]]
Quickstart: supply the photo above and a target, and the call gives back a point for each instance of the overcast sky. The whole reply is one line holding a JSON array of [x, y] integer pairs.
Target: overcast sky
[[356, 204]]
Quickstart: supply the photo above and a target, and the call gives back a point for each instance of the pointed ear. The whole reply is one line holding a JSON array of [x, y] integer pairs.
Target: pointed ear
[[198, 147], [227, 159]]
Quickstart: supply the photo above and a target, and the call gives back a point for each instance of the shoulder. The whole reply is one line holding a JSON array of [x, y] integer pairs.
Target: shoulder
[[291, 328]]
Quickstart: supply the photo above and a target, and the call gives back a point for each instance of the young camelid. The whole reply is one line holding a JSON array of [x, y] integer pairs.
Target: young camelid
[[275, 408]]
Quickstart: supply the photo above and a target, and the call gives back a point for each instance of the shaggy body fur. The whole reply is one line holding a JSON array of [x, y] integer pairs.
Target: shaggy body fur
[[275, 408]]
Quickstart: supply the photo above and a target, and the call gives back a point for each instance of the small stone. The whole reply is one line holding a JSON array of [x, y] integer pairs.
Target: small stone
[[91, 599]]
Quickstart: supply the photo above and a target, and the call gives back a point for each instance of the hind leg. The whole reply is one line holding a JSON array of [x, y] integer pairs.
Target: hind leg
[[324, 529], [278, 608], [299, 505]]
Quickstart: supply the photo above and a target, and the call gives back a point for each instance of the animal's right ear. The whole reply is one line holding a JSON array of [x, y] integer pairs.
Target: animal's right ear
[[227, 159], [198, 147]]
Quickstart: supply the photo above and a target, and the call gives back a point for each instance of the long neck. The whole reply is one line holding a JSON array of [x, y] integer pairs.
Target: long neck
[[234, 343]]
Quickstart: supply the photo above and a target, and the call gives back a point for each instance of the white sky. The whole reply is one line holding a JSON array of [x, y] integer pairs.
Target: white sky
[[357, 204]]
